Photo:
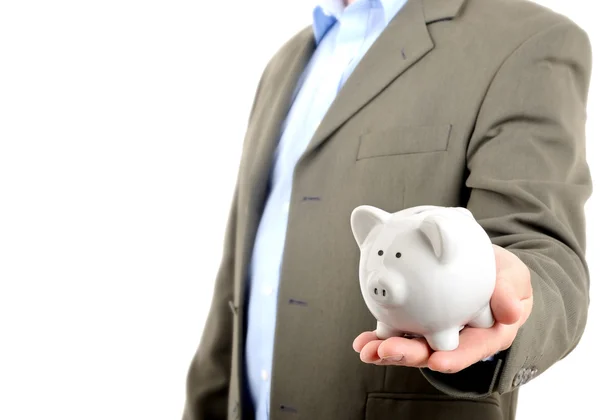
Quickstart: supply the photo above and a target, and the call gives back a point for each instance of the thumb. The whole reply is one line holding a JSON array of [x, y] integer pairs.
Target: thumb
[[505, 303]]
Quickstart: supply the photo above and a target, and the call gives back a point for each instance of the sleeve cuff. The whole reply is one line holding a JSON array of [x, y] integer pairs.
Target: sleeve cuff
[[476, 381]]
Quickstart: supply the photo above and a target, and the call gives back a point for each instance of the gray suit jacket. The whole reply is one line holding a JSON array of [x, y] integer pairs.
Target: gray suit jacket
[[474, 103]]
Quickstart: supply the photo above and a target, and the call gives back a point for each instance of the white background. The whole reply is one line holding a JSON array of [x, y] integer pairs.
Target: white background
[[120, 131]]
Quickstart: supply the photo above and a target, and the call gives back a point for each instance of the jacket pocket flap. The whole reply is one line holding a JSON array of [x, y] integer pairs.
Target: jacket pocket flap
[[404, 140]]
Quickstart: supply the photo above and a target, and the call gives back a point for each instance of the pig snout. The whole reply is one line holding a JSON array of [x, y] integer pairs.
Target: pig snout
[[384, 290]]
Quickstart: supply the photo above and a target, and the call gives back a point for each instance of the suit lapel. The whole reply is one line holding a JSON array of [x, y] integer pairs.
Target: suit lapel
[[434, 10], [280, 99], [278, 91], [404, 42]]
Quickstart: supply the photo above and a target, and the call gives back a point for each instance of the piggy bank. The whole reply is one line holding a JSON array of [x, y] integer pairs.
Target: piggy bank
[[425, 271]]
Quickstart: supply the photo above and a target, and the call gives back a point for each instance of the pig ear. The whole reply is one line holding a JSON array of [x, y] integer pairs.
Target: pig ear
[[436, 231], [464, 211], [364, 219]]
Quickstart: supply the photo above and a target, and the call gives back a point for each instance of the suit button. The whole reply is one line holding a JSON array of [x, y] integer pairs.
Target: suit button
[[526, 376], [531, 372], [518, 378]]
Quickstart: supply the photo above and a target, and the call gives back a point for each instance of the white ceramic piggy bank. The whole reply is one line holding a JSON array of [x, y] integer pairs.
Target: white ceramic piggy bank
[[425, 271]]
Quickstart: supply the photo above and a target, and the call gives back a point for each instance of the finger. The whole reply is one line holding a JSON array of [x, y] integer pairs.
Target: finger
[[369, 354], [363, 339], [506, 305], [475, 344], [405, 351], [526, 308], [510, 267]]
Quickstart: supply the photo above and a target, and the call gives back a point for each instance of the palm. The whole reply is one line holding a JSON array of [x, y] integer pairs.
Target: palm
[[511, 304]]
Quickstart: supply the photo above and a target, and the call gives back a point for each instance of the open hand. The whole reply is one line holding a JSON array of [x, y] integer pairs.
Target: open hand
[[511, 304]]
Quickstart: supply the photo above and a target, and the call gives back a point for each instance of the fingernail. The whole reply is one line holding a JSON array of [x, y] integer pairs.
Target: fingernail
[[393, 359]]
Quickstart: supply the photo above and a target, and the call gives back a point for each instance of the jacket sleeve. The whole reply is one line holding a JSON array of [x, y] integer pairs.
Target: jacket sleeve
[[528, 182], [207, 385]]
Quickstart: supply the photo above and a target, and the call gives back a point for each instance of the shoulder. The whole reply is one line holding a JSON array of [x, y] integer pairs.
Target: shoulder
[[287, 51], [514, 20]]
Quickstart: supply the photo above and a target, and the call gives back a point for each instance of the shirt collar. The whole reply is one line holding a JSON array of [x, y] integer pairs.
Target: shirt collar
[[328, 12]]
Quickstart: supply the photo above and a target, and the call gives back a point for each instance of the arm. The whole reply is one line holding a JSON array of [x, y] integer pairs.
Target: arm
[[208, 376], [529, 181], [207, 383]]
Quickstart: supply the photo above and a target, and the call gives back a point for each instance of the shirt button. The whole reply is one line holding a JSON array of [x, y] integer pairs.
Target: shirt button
[[268, 291], [264, 375]]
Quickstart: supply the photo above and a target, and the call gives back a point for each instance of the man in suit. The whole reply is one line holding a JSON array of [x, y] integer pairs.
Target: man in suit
[[400, 103]]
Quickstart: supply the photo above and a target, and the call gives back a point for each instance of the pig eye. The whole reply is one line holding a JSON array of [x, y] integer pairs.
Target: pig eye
[[398, 255], [380, 252]]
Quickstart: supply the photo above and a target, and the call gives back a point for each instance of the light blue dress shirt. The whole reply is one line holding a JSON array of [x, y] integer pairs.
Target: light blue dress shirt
[[343, 35]]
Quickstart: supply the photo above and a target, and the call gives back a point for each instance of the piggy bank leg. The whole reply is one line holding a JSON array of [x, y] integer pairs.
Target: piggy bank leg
[[485, 319], [446, 340], [384, 331]]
